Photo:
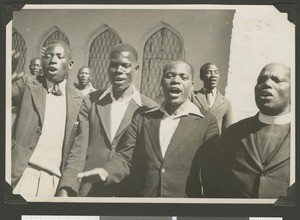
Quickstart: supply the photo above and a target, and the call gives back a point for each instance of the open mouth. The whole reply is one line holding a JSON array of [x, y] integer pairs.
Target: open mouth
[[266, 95], [174, 92], [118, 80], [52, 69]]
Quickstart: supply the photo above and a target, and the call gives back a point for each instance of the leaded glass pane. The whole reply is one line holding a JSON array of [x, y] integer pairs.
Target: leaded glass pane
[[160, 48], [56, 36], [99, 57], [18, 44]]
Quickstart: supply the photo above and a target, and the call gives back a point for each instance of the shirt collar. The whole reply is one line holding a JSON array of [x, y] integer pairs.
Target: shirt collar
[[275, 120], [88, 86], [136, 96], [190, 108], [214, 91], [62, 85]]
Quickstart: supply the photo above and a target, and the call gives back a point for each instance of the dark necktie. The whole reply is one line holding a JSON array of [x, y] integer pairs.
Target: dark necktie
[[56, 90]]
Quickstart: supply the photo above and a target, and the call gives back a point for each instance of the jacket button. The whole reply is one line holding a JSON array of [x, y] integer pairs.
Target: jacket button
[[163, 170]]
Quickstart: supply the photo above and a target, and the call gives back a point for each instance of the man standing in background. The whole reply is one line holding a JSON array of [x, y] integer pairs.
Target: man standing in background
[[35, 66], [84, 77], [210, 98]]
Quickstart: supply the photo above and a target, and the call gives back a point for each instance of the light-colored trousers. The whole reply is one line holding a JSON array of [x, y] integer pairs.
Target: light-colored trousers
[[36, 183]]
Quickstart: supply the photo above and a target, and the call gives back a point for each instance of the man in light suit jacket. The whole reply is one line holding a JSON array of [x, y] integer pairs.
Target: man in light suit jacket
[[103, 118], [210, 98], [48, 108], [256, 150], [166, 150]]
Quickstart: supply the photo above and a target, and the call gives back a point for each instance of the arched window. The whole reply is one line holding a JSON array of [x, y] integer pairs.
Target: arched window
[[57, 35], [18, 44], [161, 47], [99, 53]]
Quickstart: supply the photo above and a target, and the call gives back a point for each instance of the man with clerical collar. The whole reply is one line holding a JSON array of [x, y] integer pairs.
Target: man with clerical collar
[[166, 150], [84, 77], [48, 108], [103, 119], [257, 149], [210, 98]]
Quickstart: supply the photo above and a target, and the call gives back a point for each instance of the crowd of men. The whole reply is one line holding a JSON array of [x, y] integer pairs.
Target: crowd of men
[[73, 140]]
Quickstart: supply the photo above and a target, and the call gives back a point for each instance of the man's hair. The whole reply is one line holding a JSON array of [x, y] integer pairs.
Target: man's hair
[[34, 59], [83, 67], [125, 47], [179, 61], [203, 69], [64, 45]]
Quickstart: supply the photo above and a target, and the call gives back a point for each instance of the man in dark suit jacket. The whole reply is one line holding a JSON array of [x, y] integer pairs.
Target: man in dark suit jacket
[[256, 150], [45, 120], [168, 147], [103, 118], [210, 98]]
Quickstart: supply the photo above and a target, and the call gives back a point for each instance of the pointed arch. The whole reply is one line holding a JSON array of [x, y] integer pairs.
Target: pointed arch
[[54, 34], [18, 44], [162, 44], [99, 44]]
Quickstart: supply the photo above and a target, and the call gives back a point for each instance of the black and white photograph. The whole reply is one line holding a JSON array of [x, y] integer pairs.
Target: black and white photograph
[[65, 217], [151, 104]]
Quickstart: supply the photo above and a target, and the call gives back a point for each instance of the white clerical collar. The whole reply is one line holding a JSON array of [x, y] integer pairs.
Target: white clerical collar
[[136, 96], [275, 120], [62, 85]]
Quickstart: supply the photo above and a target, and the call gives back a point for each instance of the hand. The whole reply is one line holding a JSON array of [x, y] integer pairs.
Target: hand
[[62, 193], [15, 60], [43, 51], [94, 176]]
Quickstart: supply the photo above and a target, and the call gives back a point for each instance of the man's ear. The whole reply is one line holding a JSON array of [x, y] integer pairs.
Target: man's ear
[[71, 64], [137, 67]]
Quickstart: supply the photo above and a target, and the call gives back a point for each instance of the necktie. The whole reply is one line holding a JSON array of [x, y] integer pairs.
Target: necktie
[[56, 90], [209, 98]]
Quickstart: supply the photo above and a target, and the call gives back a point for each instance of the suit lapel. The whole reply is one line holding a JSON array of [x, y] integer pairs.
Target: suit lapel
[[74, 101], [280, 154], [185, 127], [132, 107], [152, 128], [201, 98], [103, 107], [250, 147], [218, 102], [39, 93]]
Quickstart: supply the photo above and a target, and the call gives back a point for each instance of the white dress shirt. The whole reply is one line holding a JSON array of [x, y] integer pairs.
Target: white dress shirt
[[212, 96], [169, 123], [119, 107]]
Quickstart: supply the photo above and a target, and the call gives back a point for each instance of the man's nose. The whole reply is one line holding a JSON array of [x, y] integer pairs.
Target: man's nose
[[268, 82], [119, 69], [175, 79], [53, 59]]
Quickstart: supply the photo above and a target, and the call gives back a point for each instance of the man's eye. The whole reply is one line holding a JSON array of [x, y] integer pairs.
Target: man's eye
[[113, 65], [126, 65], [47, 55]]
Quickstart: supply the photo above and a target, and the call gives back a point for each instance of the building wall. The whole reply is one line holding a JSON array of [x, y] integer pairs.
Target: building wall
[[240, 40], [205, 33]]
